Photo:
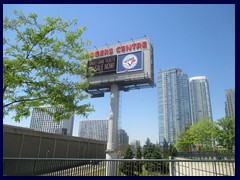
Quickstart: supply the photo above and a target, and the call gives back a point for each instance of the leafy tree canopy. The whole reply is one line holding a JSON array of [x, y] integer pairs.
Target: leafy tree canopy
[[185, 141], [130, 168], [225, 132], [42, 65], [205, 133], [202, 132], [128, 153], [138, 153]]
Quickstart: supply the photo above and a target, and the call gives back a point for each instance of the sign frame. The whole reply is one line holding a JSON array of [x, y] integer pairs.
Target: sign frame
[[127, 79]]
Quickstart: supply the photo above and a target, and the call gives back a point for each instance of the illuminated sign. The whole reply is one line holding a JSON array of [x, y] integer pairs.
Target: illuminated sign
[[104, 65], [129, 62]]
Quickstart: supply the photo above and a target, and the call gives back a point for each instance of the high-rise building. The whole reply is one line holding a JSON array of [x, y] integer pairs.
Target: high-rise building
[[98, 129], [123, 138], [230, 102], [200, 98], [174, 110], [93, 129], [134, 145], [42, 121]]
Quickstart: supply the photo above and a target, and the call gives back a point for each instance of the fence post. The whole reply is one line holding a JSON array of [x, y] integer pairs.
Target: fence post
[[172, 167], [16, 169], [34, 167]]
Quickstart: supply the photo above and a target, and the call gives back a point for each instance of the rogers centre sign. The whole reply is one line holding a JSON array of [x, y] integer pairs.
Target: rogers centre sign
[[119, 49], [125, 63]]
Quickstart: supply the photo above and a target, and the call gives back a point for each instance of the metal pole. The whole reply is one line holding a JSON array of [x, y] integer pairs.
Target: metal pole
[[112, 144]]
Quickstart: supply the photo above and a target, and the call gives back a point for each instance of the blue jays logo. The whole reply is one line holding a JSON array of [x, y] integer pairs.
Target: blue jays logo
[[130, 61]]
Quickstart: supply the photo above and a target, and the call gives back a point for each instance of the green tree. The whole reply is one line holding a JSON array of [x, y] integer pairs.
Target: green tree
[[139, 153], [166, 150], [130, 168], [138, 165], [225, 132], [148, 149], [42, 65], [152, 151], [185, 141], [128, 153], [200, 135]]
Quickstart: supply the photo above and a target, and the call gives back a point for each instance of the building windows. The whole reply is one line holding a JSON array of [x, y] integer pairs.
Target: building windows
[[42, 121], [173, 103], [200, 98]]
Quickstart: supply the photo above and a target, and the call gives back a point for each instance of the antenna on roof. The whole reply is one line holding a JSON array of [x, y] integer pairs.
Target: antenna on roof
[[147, 38], [119, 43], [132, 40]]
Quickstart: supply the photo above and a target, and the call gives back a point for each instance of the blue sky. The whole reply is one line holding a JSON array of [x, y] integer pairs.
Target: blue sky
[[199, 39]]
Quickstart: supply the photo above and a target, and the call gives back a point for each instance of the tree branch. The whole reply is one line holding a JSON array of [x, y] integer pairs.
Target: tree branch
[[24, 100], [4, 88]]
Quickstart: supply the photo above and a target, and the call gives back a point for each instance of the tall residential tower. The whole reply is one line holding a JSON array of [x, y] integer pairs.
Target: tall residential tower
[[200, 98], [230, 102], [174, 111]]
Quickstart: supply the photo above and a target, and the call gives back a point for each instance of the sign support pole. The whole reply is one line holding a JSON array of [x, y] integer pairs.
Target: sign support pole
[[112, 144]]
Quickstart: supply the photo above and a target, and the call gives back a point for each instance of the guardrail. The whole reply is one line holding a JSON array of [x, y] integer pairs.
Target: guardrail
[[120, 167]]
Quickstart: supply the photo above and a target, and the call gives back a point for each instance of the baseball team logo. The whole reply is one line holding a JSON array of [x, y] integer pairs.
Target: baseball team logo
[[130, 61]]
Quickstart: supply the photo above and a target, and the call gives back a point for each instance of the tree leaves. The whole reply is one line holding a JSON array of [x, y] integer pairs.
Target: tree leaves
[[41, 64], [225, 132], [205, 133]]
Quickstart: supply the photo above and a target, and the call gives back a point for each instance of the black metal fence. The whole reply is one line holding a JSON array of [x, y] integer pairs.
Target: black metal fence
[[116, 167]]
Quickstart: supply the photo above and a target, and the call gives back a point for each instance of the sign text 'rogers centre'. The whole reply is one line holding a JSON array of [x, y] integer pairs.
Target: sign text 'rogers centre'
[[119, 49]]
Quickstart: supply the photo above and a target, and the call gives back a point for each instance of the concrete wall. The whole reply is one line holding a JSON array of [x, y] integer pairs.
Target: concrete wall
[[27, 143], [198, 168]]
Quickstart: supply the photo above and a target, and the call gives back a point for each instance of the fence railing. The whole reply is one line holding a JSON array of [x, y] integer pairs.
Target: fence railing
[[116, 167]]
